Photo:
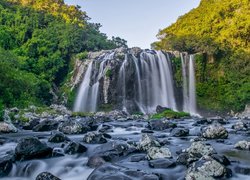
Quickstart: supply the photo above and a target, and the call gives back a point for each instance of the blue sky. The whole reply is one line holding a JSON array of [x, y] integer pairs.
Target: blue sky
[[137, 21]]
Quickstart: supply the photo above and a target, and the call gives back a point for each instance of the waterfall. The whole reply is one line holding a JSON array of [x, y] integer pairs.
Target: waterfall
[[153, 79], [140, 81], [122, 82], [83, 102], [189, 90], [192, 89], [139, 96], [87, 97], [185, 83]]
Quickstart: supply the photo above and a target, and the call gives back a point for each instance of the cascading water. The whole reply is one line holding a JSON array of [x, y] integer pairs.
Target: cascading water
[[189, 90], [185, 83], [140, 81], [122, 81], [192, 89], [87, 97], [154, 81], [83, 101]]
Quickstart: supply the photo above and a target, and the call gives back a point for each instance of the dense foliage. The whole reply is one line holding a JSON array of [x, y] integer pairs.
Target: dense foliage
[[220, 30], [37, 41]]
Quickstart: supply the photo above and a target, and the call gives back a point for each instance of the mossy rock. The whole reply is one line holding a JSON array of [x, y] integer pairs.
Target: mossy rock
[[170, 114]]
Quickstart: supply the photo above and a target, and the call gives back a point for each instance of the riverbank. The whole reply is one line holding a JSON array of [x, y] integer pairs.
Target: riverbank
[[115, 145]]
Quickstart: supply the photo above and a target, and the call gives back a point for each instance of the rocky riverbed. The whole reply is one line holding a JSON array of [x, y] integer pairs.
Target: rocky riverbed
[[117, 146]]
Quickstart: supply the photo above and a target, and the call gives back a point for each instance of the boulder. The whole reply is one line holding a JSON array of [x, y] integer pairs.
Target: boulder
[[158, 153], [218, 119], [94, 138], [112, 150], [240, 126], [46, 125], [138, 157], [197, 150], [31, 124], [74, 148], [7, 128], [242, 170], [46, 176], [161, 124], [162, 163], [160, 109], [115, 172], [243, 145], [95, 161], [179, 132], [30, 148], [58, 137], [73, 127], [5, 165], [221, 159], [183, 159], [147, 141], [214, 131], [206, 168]]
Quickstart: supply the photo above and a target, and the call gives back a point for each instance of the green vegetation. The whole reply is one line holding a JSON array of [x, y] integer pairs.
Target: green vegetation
[[170, 114], [219, 30], [106, 107], [1, 110], [82, 56], [38, 40], [108, 73], [81, 114]]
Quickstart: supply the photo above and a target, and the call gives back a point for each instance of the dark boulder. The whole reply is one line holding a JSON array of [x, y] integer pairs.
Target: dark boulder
[[46, 125], [221, 159], [46, 176], [183, 159], [30, 125], [242, 170], [112, 150], [159, 125], [58, 137], [95, 161], [5, 165], [160, 109], [146, 131], [162, 163], [179, 132], [74, 148], [116, 172], [138, 157], [30, 148]]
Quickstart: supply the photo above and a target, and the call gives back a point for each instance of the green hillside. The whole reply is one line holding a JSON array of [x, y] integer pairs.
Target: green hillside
[[220, 30], [38, 39]]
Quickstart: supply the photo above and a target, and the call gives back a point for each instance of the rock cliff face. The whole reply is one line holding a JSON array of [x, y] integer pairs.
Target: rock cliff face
[[133, 80]]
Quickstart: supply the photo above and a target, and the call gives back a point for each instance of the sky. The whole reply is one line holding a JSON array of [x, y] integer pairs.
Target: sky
[[137, 21]]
